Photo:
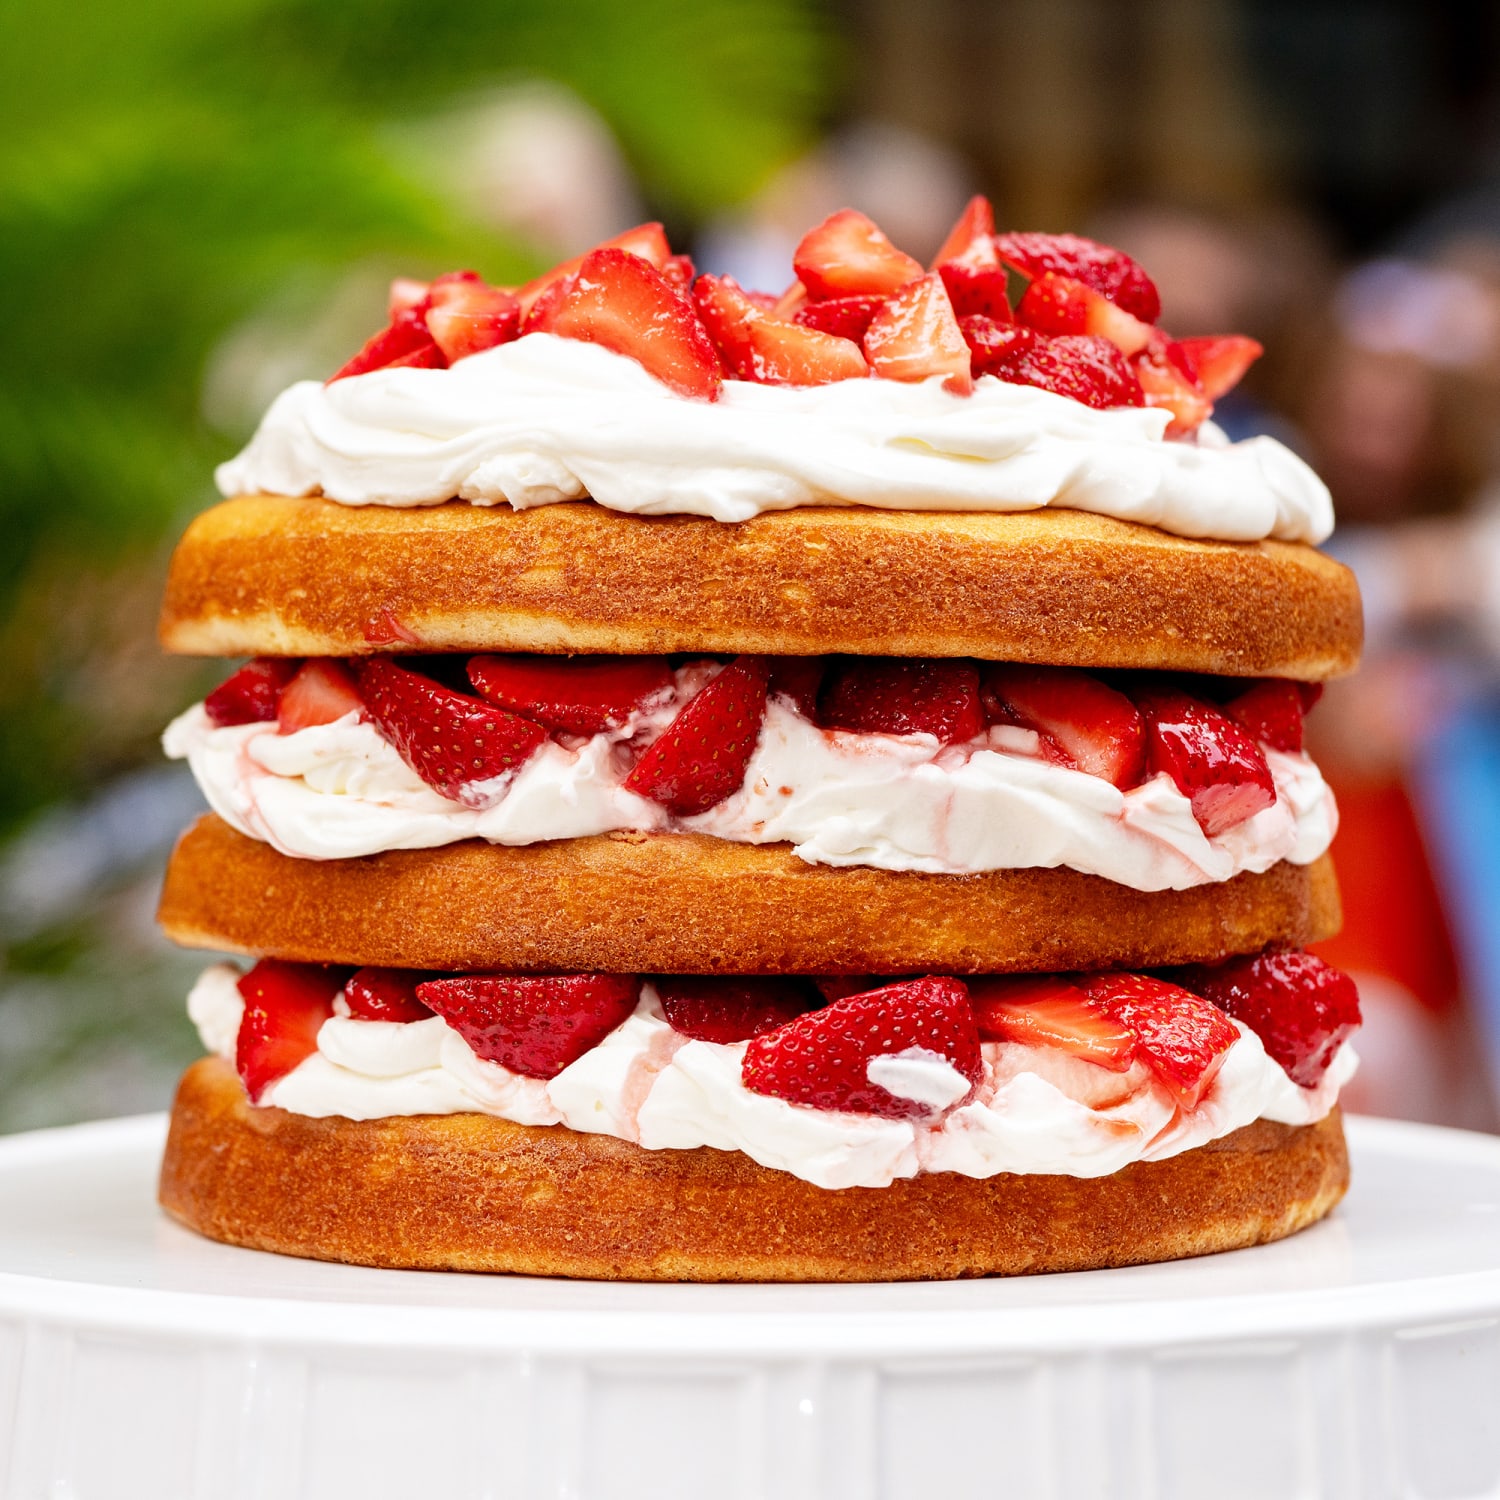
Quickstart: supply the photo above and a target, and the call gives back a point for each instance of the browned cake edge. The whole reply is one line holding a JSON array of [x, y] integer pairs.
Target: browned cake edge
[[270, 574]]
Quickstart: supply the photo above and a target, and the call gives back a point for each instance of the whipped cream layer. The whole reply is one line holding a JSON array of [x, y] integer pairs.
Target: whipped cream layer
[[892, 802], [545, 419], [1035, 1109]]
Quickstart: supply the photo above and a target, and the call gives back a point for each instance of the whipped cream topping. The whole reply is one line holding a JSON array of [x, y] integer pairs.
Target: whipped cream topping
[[545, 419], [1034, 1110], [892, 802]]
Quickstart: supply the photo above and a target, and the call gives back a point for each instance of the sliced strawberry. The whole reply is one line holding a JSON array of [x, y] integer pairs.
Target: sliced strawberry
[[321, 692], [1211, 759], [532, 1024], [1180, 1036], [798, 679], [1060, 305], [285, 1007], [975, 223], [976, 282], [1083, 366], [915, 335], [787, 305], [621, 302], [250, 695], [405, 294], [1041, 1010], [449, 739], [701, 757], [1099, 730], [538, 317], [1219, 364], [466, 316], [822, 1059], [575, 694], [757, 346], [649, 241], [1164, 384], [847, 256], [1302, 1009], [993, 345], [680, 271], [903, 695], [731, 1007], [407, 341], [428, 357], [1271, 712], [1105, 269], [843, 317], [385, 995]]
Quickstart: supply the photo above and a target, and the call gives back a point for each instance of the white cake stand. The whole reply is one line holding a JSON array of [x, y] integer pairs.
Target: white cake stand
[[1361, 1358]]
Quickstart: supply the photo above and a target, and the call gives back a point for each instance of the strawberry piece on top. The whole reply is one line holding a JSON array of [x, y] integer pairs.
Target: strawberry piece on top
[[1219, 363], [843, 317], [903, 695], [756, 345], [822, 1059], [992, 344], [1270, 711], [915, 336], [405, 294], [285, 1007], [1165, 383], [975, 223], [374, 994], [848, 256], [452, 741], [971, 267], [1042, 1010], [533, 1024], [250, 695], [731, 1007], [1108, 271], [573, 694], [406, 341], [1085, 367], [1099, 730], [700, 758], [322, 691], [465, 315], [649, 241], [1059, 305]]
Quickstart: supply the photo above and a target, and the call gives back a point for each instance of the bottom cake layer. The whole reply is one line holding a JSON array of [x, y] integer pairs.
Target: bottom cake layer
[[472, 1193]]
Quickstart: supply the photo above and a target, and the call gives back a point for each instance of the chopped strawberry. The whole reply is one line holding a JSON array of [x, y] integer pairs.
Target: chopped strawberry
[[538, 317], [903, 695], [993, 345], [757, 346], [843, 317], [385, 995], [406, 340], [534, 1024], [1041, 1010], [1059, 305], [321, 692], [1271, 712], [731, 1007], [575, 694], [975, 223], [1302, 1009], [1164, 384], [1219, 364], [786, 305], [450, 740], [822, 1059], [1083, 366], [621, 302], [701, 757], [976, 282], [1109, 271], [250, 695], [1180, 1036], [428, 357], [649, 241], [406, 293], [798, 679], [680, 271], [465, 316], [915, 335], [847, 256], [1211, 759], [285, 1007], [1099, 730]]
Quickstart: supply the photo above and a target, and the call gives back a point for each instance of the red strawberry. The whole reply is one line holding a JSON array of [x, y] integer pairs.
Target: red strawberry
[[847, 256], [1105, 269], [992, 345], [538, 317], [1271, 712], [903, 695], [701, 757], [1087, 368], [755, 345], [1219, 364], [285, 1007], [428, 357], [787, 305], [1181, 1037], [536, 1024], [843, 317], [970, 264], [915, 335], [1041, 1010], [449, 739], [1060, 305], [1209, 757], [385, 995], [575, 694], [406, 341], [621, 302], [1099, 730], [465, 316], [821, 1059], [1302, 1009], [406, 293], [649, 241], [798, 680], [976, 222], [1164, 384], [680, 271], [731, 1007], [250, 695], [321, 692]]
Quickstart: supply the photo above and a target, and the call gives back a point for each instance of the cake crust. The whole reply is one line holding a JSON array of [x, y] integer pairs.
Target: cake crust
[[472, 1193], [273, 575], [687, 903]]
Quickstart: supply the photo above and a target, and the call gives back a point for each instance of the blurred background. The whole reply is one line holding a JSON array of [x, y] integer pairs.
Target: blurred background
[[202, 200]]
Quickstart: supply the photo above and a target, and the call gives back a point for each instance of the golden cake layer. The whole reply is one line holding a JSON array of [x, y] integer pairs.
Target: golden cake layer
[[307, 577], [687, 903]]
